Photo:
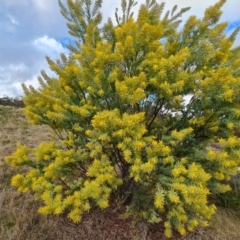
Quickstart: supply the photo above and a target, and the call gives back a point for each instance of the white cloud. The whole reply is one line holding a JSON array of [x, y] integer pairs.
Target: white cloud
[[42, 4], [11, 89], [8, 24], [11, 77], [46, 43], [18, 88], [13, 20], [33, 80], [14, 67], [18, 67], [15, 2]]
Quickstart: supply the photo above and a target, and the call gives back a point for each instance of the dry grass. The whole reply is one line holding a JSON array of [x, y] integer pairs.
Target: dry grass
[[19, 219]]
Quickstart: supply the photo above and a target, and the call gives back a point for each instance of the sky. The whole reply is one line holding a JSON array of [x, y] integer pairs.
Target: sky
[[33, 29]]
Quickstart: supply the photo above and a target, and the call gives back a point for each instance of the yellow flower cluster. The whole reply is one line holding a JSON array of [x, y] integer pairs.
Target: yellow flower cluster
[[179, 135], [44, 151], [20, 157], [99, 189], [179, 170], [159, 200], [132, 89]]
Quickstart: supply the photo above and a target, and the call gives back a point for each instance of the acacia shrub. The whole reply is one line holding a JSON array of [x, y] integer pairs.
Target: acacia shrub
[[136, 105]]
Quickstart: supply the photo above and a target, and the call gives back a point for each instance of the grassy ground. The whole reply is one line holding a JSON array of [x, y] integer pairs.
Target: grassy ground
[[19, 219]]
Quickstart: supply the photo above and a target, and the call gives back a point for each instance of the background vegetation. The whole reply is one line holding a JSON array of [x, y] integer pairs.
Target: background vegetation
[[15, 102]]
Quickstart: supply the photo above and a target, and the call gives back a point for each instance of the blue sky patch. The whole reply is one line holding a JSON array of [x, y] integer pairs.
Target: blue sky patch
[[66, 41], [233, 25]]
